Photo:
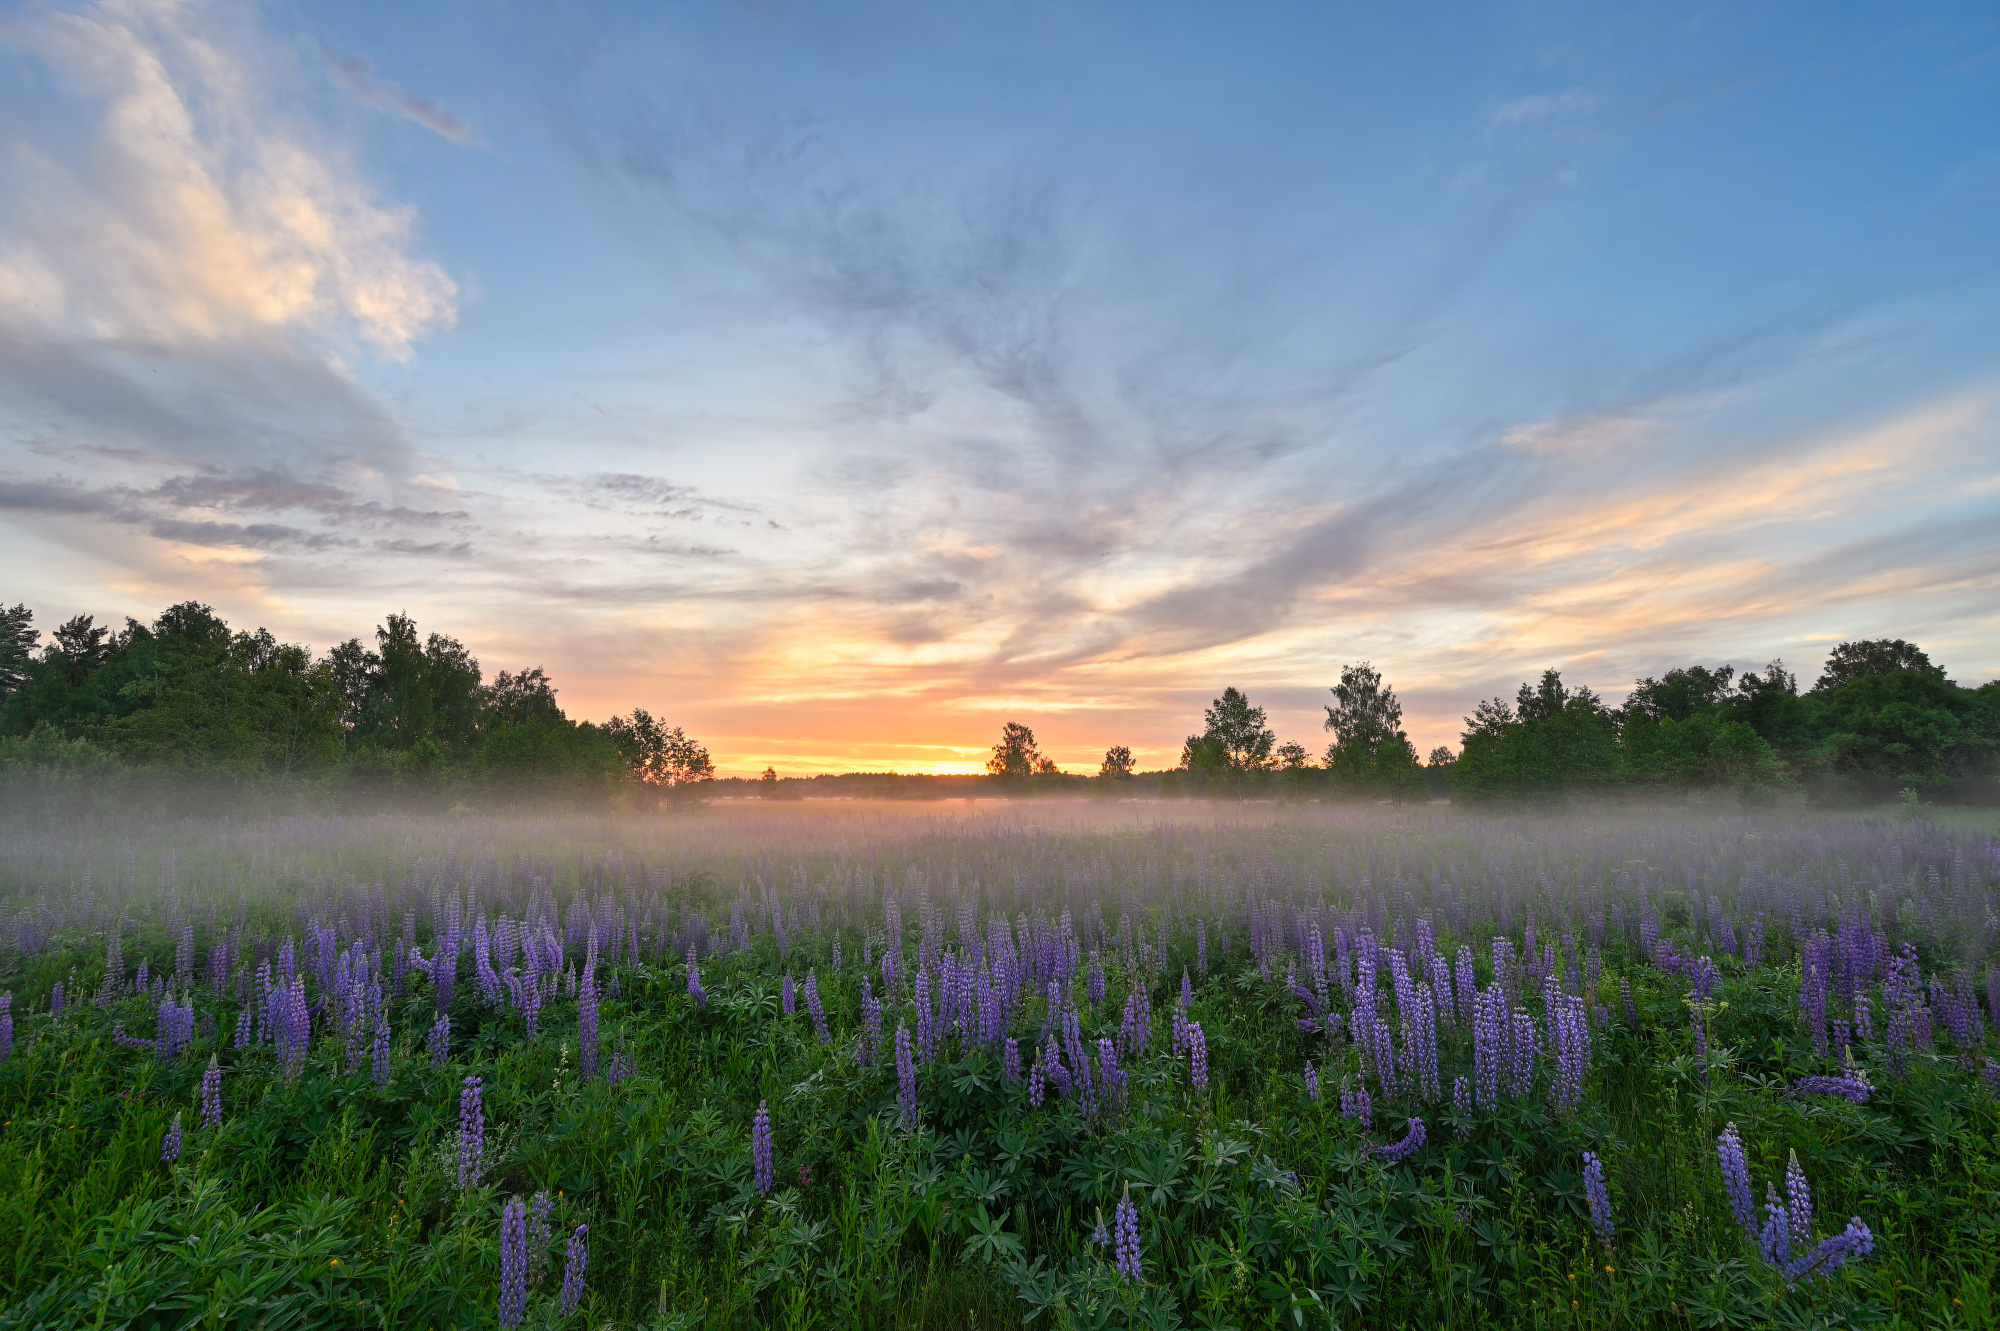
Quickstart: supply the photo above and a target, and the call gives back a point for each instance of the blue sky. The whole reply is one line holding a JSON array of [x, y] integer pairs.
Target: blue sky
[[842, 380]]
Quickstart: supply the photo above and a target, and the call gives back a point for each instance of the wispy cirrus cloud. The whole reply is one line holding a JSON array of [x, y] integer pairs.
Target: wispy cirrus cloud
[[358, 78]]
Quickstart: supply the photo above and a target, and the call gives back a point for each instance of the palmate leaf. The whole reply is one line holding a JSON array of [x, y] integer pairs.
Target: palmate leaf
[[987, 1240]]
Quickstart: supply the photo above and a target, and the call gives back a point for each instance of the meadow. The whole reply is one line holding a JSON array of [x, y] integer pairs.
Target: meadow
[[1066, 1064]]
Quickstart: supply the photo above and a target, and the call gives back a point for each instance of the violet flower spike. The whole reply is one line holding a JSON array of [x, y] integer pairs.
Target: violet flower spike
[[577, 1258], [471, 1134], [1397, 1152], [760, 1148], [170, 1148], [1736, 1180], [906, 1077], [1125, 1232], [1598, 1197], [513, 1263], [211, 1094]]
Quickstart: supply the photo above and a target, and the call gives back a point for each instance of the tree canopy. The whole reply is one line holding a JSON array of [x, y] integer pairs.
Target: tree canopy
[[187, 695]]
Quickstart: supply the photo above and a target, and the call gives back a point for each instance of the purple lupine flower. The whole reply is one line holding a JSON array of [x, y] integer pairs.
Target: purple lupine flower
[[586, 1025], [760, 1148], [1846, 1087], [1035, 1088], [1201, 950], [1989, 1072], [1461, 1104], [1100, 1237], [211, 1094], [1599, 1198], [926, 1018], [1569, 1028], [242, 1040], [170, 1148], [1096, 981], [1010, 1060], [379, 1065], [1110, 1076], [513, 1263], [540, 1210], [1397, 1152], [1736, 1180], [471, 1134], [7, 1025], [870, 1049], [1198, 1058], [439, 1041], [816, 1009], [1625, 1000], [695, 991], [57, 1001], [786, 1003], [1125, 1231], [1186, 1002], [1312, 1084], [576, 1260], [1355, 1104], [906, 1077], [1832, 1253]]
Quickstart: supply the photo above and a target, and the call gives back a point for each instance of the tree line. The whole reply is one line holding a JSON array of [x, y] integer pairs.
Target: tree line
[[186, 698], [1882, 721], [189, 701]]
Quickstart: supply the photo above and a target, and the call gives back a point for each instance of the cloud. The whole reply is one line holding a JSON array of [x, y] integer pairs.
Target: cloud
[[1542, 106], [1573, 437], [354, 74], [198, 213]]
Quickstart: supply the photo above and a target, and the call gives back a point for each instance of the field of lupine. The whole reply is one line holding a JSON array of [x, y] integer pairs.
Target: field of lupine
[[1068, 1066]]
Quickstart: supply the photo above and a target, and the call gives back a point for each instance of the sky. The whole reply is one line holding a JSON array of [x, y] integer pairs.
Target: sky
[[840, 381]]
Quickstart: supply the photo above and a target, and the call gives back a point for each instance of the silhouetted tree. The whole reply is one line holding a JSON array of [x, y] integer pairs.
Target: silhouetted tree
[[1370, 754], [1015, 757], [1117, 764], [1235, 744], [664, 760]]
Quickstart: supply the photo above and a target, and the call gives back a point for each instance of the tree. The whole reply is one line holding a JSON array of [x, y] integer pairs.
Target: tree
[[81, 647], [665, 761], [1370, 753], [1679, 694], [1117, 764], [523, 697], [1437, 772], [18, 637], [1552, 741], [767, 783], [1234, 742], [1015, 757], [1873, 656]]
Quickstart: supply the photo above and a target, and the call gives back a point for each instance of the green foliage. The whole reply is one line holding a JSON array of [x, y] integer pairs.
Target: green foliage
[[1881, 718], [1370, 755], [1234, 748], [1551, 742], [185, 709], [661, 759]]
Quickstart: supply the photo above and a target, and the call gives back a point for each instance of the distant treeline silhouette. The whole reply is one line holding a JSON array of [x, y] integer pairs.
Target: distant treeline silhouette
[[188, 707]]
